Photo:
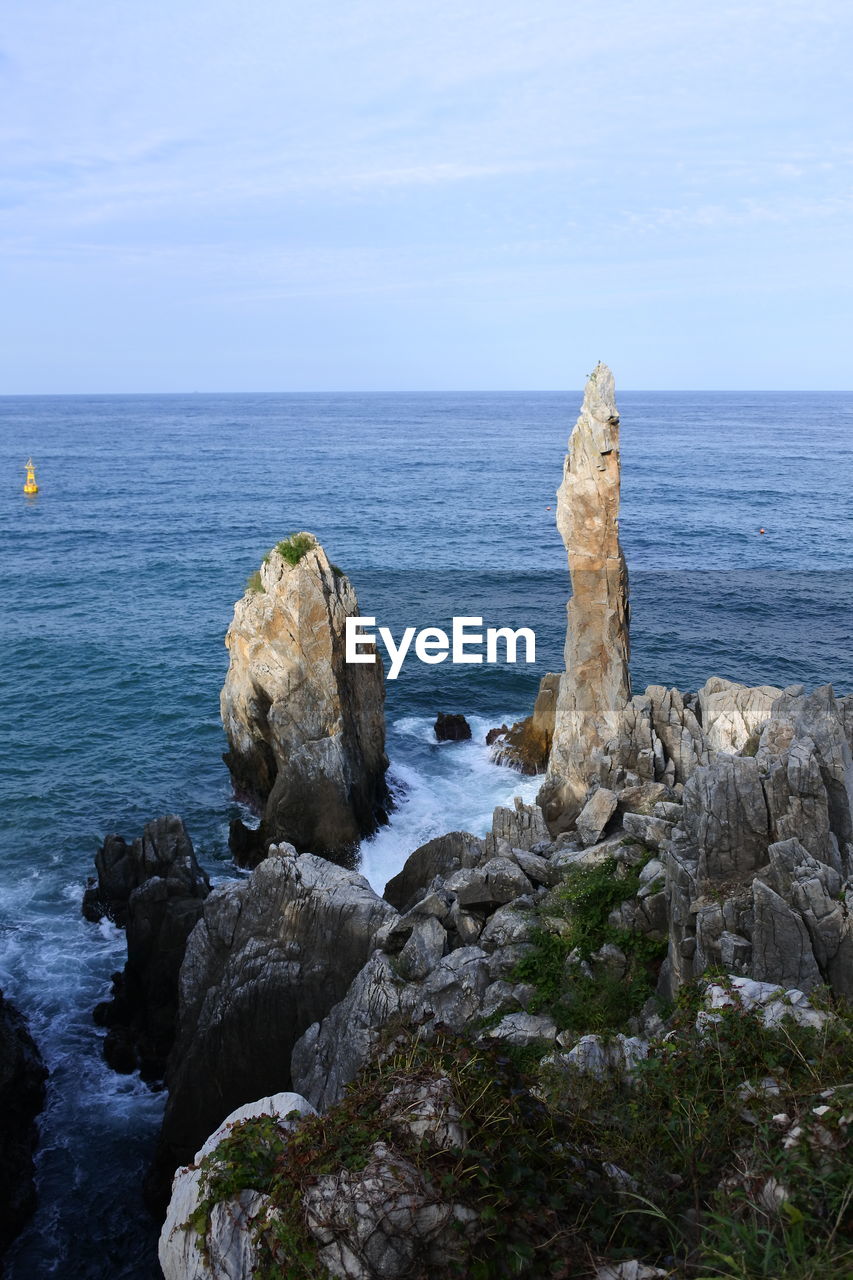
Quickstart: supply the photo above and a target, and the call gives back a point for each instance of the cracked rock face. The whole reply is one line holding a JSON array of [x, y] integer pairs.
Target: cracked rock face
[[306, 729], [270, 955], [596, 685], [757, 871]]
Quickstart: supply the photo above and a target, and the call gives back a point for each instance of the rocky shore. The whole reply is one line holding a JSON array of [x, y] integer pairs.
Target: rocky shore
[[610, 1038]]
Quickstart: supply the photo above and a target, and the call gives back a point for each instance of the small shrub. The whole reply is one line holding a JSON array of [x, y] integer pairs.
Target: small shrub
[[253, 582], [292, 549]]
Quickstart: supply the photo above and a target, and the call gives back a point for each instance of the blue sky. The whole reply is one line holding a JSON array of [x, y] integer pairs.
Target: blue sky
[[414, 194]]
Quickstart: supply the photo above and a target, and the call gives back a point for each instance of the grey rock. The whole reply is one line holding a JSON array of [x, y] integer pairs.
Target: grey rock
[[506, 926], [22, 1094], [595, 815], [523, 1029], [271, 955], [439, 857], [733, 713], [499, 880], [521, 827], [782, 950], [651, 831], [537, 869], [425, 947]]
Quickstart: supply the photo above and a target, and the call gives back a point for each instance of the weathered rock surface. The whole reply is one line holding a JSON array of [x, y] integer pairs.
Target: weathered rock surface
[[22, 1078], [596, 685], [306, 729], [270, 956], [758, 867], [228, 1249], [156, 889], [732, 714], [451, 728], [526, 745], [437, 858]]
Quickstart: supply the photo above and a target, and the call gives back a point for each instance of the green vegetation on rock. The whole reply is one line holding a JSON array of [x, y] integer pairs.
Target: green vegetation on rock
[[292, 549]]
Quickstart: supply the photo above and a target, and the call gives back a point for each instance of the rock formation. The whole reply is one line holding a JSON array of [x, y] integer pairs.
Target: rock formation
[[22, 1077], [270, 955], [596, 685], [156, 889], [306, 729], [451, 728], [526, 745]]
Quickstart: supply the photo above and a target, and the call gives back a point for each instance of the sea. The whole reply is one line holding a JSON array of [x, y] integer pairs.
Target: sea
[[117, 584]]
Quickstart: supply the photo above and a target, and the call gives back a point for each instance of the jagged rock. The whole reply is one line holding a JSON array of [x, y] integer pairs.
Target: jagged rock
[[228, 1250], [537, 869], [164, 851], [437, 858], [22, 1093], [596, 686], [732, 713], [523, 1029], [595, 1056], [497, 881], [426, 945], [156, 888], [330, 1054], [270, 956], [526, 746], [595, 815], [383, 1220], [522, 827], [451, 728], [770, 999], [643, 798], [781, 947], [306, 729], [508, 925], [651, 831], [683, 745], [725, 816]]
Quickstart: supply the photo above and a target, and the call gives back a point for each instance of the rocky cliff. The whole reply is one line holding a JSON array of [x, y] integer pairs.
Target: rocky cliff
[[306, 730], [22, 1081], [596, 685]]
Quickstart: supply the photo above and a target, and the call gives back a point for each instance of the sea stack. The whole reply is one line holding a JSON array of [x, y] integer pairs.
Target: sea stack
[[596, 685], [306, 730]]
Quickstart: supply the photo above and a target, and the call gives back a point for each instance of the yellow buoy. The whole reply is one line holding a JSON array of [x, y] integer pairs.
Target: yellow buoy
[[31, 486]]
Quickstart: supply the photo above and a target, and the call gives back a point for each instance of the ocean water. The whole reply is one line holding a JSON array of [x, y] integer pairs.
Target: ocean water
[[117, 584]]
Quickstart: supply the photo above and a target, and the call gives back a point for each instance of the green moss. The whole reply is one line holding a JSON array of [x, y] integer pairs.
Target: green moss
[[292, 549]]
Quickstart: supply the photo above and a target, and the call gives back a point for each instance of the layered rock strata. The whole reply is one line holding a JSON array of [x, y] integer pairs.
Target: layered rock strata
[[306, 729], [596, 685], [156, 889]]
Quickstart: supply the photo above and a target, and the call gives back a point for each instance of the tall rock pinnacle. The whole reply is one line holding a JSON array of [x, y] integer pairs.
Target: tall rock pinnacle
[[596, 685], [306, 730]]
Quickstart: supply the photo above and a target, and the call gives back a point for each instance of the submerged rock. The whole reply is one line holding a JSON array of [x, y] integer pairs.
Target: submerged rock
[[451, 728], [156, 888], [306, 729], [596, 685], [22, 1078]]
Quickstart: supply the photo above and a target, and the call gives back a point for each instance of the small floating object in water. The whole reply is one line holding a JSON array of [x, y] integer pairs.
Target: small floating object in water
[[547, 508], [761, 531], [31, 486]]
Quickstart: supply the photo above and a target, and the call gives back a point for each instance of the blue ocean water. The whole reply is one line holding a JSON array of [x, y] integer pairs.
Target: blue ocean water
[[117, 584]]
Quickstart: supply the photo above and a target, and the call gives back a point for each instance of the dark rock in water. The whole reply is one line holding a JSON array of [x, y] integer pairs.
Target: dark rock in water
[[246, 844], [452, 728], [22, 1077], [527, 744], [271, 955], [156, 888], [439, 857]]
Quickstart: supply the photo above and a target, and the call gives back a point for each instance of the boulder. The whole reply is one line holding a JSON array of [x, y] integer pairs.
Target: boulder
[[164, 852], [227, 1249], [306, 729], [451, 728], [437, 858], [271, 955], [733, 714], [595, 815], [22, 1093], [521, 827]]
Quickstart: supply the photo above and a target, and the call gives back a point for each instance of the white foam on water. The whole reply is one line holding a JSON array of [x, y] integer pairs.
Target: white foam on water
[[439, 787]]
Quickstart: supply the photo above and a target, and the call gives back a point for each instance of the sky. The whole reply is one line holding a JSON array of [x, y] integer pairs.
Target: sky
[[322, 195]]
